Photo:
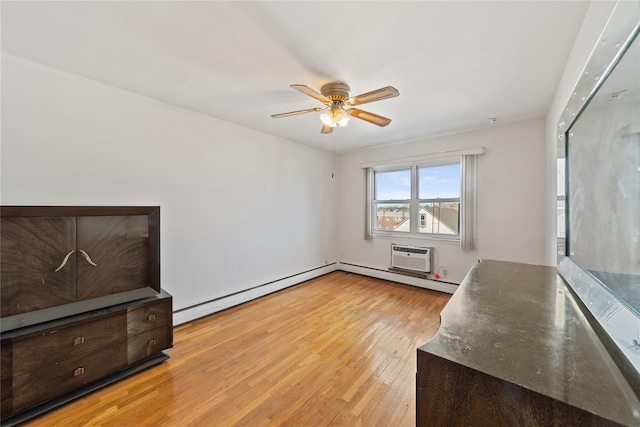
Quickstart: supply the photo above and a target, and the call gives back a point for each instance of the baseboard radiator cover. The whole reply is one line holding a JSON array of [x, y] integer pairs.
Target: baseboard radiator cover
[[188, 314], [434, 285]]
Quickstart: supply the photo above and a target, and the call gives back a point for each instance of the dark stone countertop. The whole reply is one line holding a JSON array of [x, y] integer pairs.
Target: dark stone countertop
[[519, 323]]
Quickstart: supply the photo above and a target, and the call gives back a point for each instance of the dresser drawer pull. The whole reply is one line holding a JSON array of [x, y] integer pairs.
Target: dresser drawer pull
[[78, 371], [151, 317], [87, 257], [152, 343], [64, 261], [78, 340]]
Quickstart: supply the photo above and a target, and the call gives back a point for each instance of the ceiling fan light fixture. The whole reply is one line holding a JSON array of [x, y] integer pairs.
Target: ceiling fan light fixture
[[326, 119], [336, 116], [338, 105]]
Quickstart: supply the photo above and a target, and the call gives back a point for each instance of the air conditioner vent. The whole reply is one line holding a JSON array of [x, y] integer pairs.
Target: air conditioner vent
[[414, 258]]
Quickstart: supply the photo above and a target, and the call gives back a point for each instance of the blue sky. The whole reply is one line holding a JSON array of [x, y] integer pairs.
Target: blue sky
[[434, 182]]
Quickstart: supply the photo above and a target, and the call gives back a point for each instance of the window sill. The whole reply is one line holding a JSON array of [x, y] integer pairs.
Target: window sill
[[449, 240]]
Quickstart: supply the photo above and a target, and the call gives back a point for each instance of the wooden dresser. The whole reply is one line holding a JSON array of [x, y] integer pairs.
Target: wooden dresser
[[81, 303], [514, 348]]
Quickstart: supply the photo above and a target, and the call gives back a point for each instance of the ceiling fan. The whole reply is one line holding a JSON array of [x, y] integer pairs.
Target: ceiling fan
[[335, 96]]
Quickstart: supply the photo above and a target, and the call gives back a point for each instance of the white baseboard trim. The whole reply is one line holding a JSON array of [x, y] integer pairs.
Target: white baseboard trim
[[400, 278], [189, 314], [204, 309]]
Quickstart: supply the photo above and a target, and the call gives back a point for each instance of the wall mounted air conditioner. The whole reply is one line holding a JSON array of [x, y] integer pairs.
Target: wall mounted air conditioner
[[414, 258]]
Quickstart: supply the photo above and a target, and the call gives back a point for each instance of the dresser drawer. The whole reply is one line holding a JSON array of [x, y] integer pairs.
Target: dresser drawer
[[6, 348], [150, 316], [44, 384], [59, 344], [149, 343], [6, 393]]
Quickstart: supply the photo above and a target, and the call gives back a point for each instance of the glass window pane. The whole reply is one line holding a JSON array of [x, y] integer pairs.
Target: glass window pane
[[392, 217], [439, 218], [395, 185], [439, 182]]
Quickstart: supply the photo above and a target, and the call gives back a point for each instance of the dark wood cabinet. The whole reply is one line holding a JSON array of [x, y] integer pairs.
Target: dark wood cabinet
[[113, 255], [36, 350], [53, 261], [31, 251], [59, 261], [44, 364], [81, 303], [147, 330], [514, 349]]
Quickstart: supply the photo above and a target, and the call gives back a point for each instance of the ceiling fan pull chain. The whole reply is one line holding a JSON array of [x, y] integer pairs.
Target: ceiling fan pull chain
[[333, 155]]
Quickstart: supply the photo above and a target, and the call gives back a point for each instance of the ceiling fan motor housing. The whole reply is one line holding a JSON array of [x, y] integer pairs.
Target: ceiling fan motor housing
[[336, 91]]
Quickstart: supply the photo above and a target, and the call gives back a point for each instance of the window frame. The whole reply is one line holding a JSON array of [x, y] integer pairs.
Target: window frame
[[414, 202]]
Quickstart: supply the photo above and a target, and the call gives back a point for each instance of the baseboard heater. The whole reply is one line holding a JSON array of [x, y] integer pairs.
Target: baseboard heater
[[411, 258]]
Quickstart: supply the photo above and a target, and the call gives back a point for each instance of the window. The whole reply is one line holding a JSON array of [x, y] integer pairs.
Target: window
[[430, 192], [431, 196]]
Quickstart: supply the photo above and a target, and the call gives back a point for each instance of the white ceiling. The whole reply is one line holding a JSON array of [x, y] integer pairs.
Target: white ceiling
[[456, 64]]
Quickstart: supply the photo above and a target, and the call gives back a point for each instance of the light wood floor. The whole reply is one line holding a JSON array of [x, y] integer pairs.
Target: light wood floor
[[338, 350]]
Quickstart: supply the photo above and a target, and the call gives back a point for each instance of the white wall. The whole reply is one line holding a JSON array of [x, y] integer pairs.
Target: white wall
[[511, 199], [238, 208]]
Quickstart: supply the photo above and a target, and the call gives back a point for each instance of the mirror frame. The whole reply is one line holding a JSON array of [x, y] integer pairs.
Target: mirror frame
[[616, 323]]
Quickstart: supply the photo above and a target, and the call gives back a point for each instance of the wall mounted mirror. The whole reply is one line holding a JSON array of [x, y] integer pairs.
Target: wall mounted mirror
[[599, 204]]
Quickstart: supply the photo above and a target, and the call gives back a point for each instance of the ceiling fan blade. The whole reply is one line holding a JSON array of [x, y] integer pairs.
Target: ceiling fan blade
[[374, 95], [368, 117], [295, 113], [326, 129], [312, 93]]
